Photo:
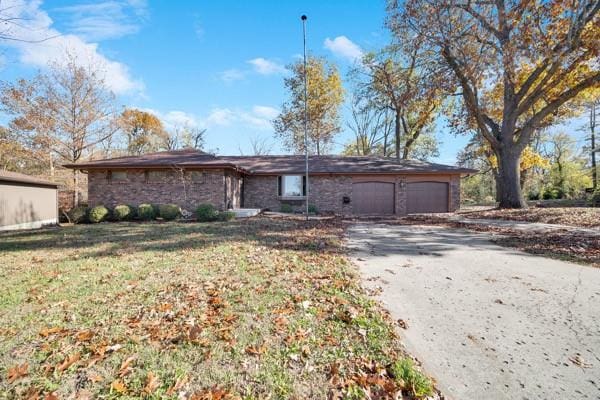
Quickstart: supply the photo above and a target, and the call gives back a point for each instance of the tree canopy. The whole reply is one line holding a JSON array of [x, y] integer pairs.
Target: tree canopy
[[325, 96]]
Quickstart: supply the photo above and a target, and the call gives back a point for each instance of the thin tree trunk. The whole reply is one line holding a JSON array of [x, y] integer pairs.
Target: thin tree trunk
[[76, 188], [397, 133], [509, 180]]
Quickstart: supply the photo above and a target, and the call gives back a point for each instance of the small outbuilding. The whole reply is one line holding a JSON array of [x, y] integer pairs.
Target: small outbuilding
[[27, 202]]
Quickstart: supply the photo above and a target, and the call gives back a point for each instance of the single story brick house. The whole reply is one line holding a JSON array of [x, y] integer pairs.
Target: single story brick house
[[337, 184]]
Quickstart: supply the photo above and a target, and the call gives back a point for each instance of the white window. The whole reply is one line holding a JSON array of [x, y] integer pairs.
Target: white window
[[291, 186]]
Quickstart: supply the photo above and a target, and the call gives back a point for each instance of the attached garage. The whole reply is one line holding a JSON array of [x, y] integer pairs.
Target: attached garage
[[26, 202], [374, 198], [427, 197]]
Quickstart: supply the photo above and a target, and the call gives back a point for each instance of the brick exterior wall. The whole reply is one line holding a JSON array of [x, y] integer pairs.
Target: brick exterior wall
[[175, 187], [325, 192], [224, 188], [454, 193]]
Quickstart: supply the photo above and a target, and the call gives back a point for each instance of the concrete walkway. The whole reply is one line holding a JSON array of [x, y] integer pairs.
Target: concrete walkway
[[488, 322]]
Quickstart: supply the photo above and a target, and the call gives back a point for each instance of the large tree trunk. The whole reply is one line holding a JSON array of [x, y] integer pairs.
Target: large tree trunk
[[509, 180]]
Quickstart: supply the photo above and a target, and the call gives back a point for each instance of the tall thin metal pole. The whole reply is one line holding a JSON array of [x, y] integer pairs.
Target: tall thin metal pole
[[303, 18], [593, 139]]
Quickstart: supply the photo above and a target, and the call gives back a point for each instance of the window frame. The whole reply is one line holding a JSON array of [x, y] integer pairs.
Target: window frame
[[111, 176], [281, 187], [163, 176]]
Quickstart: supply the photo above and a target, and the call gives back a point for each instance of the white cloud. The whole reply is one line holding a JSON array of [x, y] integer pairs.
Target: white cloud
[[103, 20], [343, 47], [232, 75], [265, 111], [258, 117], [41, 44], [266, 67], [220, 117]]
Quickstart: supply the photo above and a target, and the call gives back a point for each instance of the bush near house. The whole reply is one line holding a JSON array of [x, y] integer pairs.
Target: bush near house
[[169, 212], [146, 212], [98, 214], [78, 215], [286, 208], [123, 212], [206, 213], [312, 209], [226, 216]]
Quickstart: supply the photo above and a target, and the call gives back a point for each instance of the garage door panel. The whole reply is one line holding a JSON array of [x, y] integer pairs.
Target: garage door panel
[[373, 198], [426, 197]]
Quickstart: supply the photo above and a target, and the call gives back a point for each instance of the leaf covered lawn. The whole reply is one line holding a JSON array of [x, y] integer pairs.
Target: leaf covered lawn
[[585, 217], [248, 309]]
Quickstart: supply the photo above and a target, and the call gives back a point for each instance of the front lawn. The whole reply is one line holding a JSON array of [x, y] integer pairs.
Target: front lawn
[[249, 309]]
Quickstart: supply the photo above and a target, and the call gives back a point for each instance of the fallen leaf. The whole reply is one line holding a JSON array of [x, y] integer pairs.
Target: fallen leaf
[[118, 386], [51, 331], [17, 372], [178, 385], [84, 336], [67, 362], [255, 350], [152, 383], [126, 366]]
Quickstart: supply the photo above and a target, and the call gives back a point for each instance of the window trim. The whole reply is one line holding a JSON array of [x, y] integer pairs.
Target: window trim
[[111, 179], [281, 188], [163, 176]]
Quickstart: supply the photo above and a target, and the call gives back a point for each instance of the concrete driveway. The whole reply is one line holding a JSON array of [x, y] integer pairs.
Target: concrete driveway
[[487, 322]]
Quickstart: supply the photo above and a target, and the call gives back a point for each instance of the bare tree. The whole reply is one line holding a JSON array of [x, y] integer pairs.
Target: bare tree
[[69, 109]]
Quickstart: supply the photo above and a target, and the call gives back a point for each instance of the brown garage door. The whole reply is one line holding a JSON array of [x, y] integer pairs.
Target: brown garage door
[[373, 198], [427, 197]]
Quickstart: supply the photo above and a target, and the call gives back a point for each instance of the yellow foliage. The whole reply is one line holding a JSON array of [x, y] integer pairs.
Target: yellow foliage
[[529, 159]]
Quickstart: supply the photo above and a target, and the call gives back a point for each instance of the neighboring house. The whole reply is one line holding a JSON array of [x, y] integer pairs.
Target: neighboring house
[[337, 184], [27, 202]]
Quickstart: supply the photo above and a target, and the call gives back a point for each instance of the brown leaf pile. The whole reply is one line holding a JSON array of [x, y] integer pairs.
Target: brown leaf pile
[[572, 216]]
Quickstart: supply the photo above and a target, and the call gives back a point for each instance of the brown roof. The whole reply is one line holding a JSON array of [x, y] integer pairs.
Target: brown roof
[[8, 176], [338, 164], [269, 165]]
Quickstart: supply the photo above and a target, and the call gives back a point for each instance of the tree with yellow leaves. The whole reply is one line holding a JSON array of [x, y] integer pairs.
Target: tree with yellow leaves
[[540, 55], [325, 96], [143, 130]]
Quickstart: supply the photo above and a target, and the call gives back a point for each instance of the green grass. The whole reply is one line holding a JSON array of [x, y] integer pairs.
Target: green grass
[[246, 309]]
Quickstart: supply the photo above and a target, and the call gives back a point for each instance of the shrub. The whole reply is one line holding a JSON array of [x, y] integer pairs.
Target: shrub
[[533, 195], [410, 378], [312, 209], [553, 193], [206, 213], [78, 215], [226, 216], [169, 212], [98, 214], [595, 199], [286, 208], [146, 212], [123, 212]]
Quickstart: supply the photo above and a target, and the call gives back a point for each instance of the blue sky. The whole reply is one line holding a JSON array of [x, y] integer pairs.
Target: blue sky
[[213, 64]]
